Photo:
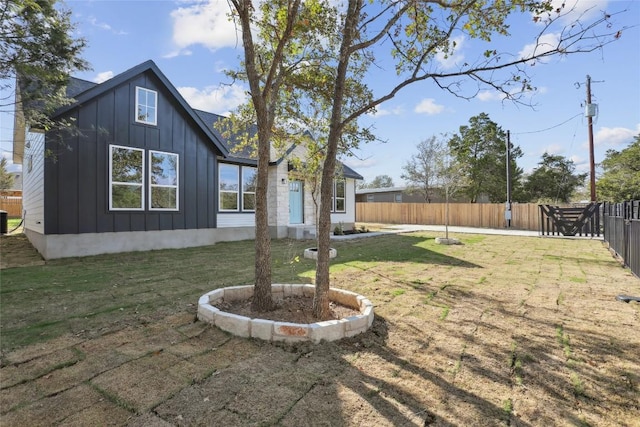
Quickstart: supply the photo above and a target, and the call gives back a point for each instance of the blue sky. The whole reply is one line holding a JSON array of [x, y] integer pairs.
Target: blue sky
[[193, 43]]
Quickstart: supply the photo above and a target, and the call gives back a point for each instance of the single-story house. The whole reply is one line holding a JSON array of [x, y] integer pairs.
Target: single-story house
[[142, 170], [405, 195], [387, 194]]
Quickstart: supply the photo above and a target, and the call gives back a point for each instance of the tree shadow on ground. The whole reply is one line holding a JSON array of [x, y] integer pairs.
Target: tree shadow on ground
[[396, 248]]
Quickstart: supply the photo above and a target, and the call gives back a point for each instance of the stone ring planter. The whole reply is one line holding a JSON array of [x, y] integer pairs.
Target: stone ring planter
[[270, 330], [312, 253], [449, 241]]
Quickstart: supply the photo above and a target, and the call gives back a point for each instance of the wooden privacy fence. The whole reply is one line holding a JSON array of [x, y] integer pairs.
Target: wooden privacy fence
[[524, 216], [12, 205]]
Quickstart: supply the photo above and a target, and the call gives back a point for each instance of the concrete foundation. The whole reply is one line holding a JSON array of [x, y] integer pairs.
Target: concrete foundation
[[75, 245]]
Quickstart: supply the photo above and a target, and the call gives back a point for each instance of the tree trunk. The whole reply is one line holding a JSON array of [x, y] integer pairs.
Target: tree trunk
[[262, 297], [321, 299]]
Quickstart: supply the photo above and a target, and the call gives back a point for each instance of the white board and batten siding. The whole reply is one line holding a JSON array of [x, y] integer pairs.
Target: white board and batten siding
[[226, 220], [349, 216], [33, 182]]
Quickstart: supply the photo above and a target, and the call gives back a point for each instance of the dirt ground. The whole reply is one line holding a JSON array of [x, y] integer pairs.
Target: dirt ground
[[508, 331], [297, 309]]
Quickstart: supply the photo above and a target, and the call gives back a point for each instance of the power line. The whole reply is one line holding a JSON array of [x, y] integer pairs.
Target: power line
[[552, 127]]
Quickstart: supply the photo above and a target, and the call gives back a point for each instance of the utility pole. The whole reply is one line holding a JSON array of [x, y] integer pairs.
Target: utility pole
[[590, 112], [507, 211]]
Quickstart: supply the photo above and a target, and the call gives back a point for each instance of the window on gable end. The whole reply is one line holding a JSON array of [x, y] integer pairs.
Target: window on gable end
[[146, 106]]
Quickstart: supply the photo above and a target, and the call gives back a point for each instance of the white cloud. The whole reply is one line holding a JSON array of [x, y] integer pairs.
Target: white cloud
[[615, 136], [103, 76], [215, 99], [579, 160], [454, 57], [177, 52], [494, 95], [104, 26], [546, 43], [205, 23], [552, 149], [490, 95], [429, 106], [583, 10], [582, 164], [357, 164], [380, 112]]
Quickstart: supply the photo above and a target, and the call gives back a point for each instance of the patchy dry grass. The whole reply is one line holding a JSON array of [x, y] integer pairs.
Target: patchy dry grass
[[497, 331]]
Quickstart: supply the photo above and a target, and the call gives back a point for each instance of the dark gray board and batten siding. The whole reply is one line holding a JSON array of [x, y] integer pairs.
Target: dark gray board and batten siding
[[76, 176]]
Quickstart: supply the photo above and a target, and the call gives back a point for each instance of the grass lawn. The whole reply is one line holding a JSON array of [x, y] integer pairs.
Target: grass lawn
[[13, 223], [500, 330]]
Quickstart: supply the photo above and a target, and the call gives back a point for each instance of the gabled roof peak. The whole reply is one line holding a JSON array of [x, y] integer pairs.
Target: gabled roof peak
[[88, 90]]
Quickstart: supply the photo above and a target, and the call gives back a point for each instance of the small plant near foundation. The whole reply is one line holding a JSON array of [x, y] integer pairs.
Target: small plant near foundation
[[339, 229]]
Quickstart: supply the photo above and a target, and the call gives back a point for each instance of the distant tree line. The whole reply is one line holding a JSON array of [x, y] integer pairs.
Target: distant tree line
[[474, 159]]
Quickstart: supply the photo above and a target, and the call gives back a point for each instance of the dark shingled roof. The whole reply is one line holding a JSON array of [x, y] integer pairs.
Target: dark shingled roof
[[232, 145], [83, 90], [76, 86], [210, 119]]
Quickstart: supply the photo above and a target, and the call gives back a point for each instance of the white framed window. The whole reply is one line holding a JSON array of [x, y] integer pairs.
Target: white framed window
[[398, 198], [339, 196], [370, 198], [163, 181], [126, 178], [228, 185], [146, 106], [249, 180]]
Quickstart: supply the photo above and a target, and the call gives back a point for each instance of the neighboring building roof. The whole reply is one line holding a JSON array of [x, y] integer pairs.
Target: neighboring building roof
[[380, 190]]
